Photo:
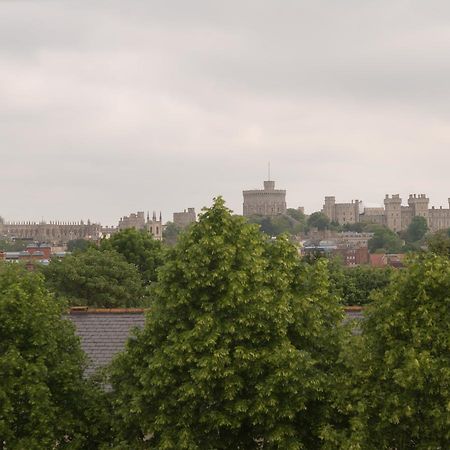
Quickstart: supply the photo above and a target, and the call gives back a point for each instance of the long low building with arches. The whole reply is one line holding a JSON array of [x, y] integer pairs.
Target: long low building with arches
[[55, 233]]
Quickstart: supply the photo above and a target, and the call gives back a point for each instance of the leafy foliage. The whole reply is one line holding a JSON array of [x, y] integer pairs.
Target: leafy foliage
[[171, 232], [358, 227], [439, 243], [277, 225], [96, 278], [79, 245], [7, 245], [356, 285], [400, 387], [385, 239], [318, 220], [416, 229], [44, 399], [139, 248], [239, 349], [297, 215]]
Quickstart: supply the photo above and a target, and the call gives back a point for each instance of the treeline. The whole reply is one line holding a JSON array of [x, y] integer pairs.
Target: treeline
[[122, 272], [295, 223], [245, 346]]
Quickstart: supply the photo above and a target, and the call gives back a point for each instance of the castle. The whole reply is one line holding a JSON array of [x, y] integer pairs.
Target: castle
[[138, 222], [265, 202], [60, 233], [185, 218], [55, 232], [393, 215]]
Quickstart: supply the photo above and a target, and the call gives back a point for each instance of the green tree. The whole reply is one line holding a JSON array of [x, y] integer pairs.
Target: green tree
[[279, 224], [416, 229], [238, 350], [318, 220], [7, 245], [358, 227], [171, 232], [439, 242], [296, 214], [356, 285], [44, 400], [96, 278], [139, 248], [79, 245], [385, 239], [400, 386], [265, 224], [300, 219]]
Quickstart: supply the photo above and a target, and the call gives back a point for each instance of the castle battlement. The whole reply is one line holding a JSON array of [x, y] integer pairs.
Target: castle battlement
[[394, 215], [265, 202]]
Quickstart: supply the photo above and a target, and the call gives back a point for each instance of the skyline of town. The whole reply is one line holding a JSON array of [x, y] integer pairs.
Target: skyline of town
[[167, 216]]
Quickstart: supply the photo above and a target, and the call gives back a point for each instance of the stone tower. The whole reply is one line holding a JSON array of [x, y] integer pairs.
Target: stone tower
[[419, 205], [265, 202], [154, 226], [329, 208], [393, 212]]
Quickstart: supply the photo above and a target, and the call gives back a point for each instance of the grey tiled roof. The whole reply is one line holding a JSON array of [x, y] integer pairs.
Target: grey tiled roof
[[103, 334], [352, 315]]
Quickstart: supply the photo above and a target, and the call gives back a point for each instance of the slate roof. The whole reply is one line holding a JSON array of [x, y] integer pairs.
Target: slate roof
[[353, 312], [103, 332]]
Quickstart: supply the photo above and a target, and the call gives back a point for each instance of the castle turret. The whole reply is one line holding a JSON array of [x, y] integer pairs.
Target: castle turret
[[329, 208], [419, 205], [393, 208], [265, 202], [269, 185]]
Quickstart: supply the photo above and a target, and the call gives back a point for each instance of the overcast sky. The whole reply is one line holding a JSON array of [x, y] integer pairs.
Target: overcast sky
[[112, 107]]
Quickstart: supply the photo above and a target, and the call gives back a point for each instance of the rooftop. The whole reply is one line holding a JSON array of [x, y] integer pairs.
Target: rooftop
[[103, 332]]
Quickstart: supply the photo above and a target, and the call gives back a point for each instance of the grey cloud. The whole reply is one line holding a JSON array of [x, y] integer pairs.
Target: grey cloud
[[109, 106]]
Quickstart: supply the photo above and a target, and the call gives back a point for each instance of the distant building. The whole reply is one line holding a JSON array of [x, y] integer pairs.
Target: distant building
[[351, 247], [341, 213], [33, 253], [138, 222], [265, 202], [372, 215], [185, 218], [381, 260], [134, 220], [394, 215], [55, 233], [353, 256]]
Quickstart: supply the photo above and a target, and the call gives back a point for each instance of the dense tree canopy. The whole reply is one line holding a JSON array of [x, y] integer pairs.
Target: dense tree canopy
[[400, 376], [356, 285], [439, 242], [238, 350], [44, 399], [79, 245], [96, 278], [384, 239], [171, 232], [296, 214], [416, 229], [280, 224], [138, 247], [7, 245], [318, 220]]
